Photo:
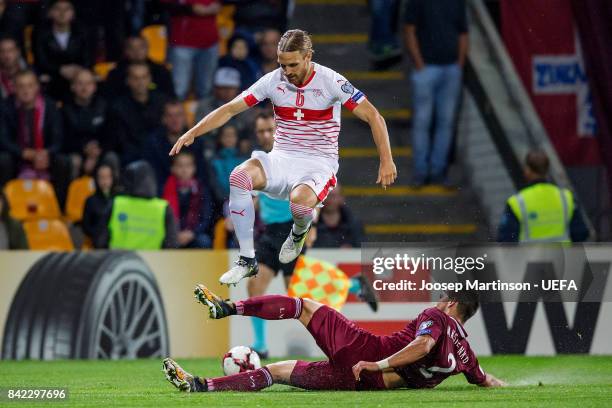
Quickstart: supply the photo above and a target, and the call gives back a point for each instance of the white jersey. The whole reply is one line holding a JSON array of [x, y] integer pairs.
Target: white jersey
[[307, 116]]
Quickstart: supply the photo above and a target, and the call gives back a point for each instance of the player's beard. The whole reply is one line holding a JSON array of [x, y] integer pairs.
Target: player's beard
[[295, 78]]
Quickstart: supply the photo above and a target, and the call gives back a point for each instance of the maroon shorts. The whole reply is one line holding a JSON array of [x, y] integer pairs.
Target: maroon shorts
[[345, 345], [322, 375]]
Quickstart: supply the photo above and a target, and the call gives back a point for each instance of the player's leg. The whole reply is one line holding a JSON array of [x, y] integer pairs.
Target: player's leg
[[268, 307], [266, 252], [257, 286], [361, 287], [303, 202], [244, 179], [254, 380], [319, 375], [312, 375]]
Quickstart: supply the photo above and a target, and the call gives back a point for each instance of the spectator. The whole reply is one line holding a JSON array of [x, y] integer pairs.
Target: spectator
[[541, 212], [3, 19], [239, 59], [133, 117], [136, 51], [31, 134], [84, 122], [105, 24], [384, 47], [174, 124], [97, 205], [190, 201], [226, 88], [194, 44], [437, 39], [268, 46], [18, 14], [337, 228], [10, 64], [137, 219], [61, 50], [12, 235], [253, 16], [227, 158]]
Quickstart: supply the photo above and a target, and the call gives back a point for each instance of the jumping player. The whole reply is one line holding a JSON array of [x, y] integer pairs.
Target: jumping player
[[277, 219], [303, 163], [428, 350]]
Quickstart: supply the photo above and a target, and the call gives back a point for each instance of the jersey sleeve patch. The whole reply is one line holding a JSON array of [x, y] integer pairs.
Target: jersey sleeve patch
[[424, 328], [354, 100], [250, 100]]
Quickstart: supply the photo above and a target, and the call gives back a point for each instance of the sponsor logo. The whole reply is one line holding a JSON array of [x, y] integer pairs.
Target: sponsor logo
[[240, 213], [562, 75]]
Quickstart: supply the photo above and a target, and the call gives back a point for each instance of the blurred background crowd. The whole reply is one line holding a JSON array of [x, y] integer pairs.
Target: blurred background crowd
[[90, 88]]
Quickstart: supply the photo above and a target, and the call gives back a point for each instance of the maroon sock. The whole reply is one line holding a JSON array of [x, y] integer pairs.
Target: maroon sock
[[248, 381], [270, 307]]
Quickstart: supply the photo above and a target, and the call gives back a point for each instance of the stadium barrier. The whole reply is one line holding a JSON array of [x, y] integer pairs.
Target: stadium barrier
[[108, 305], [123, 305]]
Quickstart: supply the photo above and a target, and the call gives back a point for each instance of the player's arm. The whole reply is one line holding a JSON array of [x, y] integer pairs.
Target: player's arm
[[387, 172], [212, 121], [491, 381], [416, 350]]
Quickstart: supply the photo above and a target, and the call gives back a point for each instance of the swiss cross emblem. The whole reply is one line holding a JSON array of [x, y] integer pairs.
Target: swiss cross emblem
[[298, 114]]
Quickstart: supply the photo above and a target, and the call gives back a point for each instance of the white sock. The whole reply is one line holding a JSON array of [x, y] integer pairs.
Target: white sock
[[302, 217], [242, 211]]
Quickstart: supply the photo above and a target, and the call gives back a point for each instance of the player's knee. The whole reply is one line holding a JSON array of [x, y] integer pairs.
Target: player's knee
[[309, 306], [281, 371], [302, 195], [241, 178]]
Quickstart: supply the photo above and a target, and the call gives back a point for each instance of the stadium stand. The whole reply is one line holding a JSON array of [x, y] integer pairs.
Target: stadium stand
[[48, 234], [103, 68], [31, 199], [157, 37], [78, 192]]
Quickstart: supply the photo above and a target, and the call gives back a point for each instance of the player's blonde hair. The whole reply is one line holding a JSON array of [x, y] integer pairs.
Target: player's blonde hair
[[296, 40]]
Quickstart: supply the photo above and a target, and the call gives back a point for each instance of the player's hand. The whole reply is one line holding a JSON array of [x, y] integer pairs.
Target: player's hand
[[364, 366], [387, 173], [491, 381], [185, 140]]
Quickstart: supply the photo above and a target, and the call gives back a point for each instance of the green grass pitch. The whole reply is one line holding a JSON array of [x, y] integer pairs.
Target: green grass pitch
[[567, 381]]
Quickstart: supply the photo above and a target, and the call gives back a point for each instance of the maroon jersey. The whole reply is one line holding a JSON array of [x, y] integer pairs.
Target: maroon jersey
[[451, 354]]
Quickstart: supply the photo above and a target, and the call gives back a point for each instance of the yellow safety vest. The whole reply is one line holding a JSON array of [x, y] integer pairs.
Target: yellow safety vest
[[544, 212], [137, 223]]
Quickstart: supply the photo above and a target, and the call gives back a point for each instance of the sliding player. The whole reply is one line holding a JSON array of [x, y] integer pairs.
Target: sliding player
[[428, 350]]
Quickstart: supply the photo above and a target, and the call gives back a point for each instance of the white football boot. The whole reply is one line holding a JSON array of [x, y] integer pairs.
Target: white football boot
[[244, 268], [292, 247]]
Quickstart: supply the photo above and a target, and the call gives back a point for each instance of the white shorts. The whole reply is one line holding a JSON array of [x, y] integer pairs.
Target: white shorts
[[284, 172]]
